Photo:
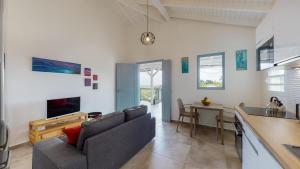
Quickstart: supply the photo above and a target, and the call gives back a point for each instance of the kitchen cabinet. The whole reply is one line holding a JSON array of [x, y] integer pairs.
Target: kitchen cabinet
[[286, 28], [250, 155], [266, 160], [255, 154], [282, 22]]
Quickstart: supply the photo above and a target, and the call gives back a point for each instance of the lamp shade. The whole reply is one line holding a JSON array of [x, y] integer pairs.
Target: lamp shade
[[147, 38]]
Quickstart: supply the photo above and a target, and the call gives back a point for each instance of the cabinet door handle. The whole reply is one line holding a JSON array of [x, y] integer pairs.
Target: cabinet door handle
[[251, 144]]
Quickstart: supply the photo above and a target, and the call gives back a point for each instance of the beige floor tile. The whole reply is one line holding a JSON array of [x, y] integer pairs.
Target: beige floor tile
[[22, 162], [157, 161], [169, 150]]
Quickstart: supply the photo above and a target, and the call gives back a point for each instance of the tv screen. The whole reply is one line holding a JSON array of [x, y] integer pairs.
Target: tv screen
[[59, 107]]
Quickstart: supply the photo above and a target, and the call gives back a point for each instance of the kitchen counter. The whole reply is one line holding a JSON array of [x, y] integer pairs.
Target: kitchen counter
[[273, 133]]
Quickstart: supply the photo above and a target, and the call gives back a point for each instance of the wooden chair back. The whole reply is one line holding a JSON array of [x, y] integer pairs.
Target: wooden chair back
[[180, 106]]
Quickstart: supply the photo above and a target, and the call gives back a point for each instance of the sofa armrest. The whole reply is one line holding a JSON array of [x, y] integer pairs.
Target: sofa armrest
[[56, 154], [153, 127]]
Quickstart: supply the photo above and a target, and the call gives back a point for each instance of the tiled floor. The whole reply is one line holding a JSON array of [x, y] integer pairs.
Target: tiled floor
[[169, 150]]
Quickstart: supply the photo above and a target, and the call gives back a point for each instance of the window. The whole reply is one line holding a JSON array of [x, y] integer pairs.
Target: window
[[211, 71], [275, 80]]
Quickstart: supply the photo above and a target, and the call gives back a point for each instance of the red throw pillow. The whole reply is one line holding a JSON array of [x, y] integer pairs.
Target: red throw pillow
[[72, 134]]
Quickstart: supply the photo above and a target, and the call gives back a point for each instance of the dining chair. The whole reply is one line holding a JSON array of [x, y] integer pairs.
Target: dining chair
[[184, 113], [229, 119]]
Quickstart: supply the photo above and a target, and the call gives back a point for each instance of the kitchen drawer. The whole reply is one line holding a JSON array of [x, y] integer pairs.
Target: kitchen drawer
[[267, 160], [252, 138], [240, 118], [250, 155]]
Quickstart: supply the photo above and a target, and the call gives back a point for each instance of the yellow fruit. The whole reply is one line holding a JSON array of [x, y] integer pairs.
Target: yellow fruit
[[205, 101]]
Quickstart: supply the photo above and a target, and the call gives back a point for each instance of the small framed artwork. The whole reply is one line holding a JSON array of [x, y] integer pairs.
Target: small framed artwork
[[95, 86], [87, 82], [241, 60], [95, 77], [185, 64], [87, 71]]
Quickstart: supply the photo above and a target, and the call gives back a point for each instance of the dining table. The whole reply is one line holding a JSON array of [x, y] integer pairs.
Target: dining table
[[198, 106]]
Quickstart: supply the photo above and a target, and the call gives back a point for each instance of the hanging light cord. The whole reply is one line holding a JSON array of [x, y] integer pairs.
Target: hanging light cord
[[147, 16]]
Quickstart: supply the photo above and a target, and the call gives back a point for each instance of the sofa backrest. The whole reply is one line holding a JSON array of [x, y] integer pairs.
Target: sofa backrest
[[114, 147], [135, 112], [94, 127]]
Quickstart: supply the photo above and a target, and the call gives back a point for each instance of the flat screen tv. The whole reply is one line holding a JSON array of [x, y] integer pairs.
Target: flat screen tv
[[59, 107]]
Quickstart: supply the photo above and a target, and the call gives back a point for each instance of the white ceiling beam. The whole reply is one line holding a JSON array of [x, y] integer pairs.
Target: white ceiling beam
[[136, 7], [133, 15], [217, 19], [126, 13], [242, 5], [163, 11]]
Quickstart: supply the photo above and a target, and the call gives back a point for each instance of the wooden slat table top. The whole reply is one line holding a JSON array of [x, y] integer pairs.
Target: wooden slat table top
[[212, 106], [44, 122]]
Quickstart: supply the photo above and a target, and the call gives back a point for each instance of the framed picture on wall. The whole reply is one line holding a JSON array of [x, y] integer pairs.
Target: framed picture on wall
[[87, 82], [95, 77], [95, 86], [87, 71], [185, 64], [241, 60], [55, 66]]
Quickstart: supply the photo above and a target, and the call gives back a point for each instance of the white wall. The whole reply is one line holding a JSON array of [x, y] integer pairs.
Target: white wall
[[291, 95], [88, 32], [1, 61], [187, 38], [283, 22]]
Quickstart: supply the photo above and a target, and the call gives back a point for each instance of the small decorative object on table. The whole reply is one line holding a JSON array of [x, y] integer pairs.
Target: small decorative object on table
[[206, 101], [94, 115]]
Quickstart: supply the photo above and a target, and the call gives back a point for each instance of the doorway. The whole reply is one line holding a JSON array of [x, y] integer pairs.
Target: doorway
[[150, 87], [129, 76]]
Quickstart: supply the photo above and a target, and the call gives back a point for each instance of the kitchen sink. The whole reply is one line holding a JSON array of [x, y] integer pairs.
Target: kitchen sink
[[294, 149]]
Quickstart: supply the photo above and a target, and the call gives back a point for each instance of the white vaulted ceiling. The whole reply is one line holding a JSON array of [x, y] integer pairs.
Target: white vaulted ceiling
[[234, 12]]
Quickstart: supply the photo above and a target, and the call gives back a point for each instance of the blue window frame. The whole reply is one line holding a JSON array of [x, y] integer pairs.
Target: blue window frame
[[211, 71]]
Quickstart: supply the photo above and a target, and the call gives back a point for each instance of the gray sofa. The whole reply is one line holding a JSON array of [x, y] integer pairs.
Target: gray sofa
[[105, 143]]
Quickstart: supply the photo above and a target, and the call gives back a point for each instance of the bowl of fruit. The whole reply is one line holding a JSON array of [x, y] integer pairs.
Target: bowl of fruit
[[206, 101]]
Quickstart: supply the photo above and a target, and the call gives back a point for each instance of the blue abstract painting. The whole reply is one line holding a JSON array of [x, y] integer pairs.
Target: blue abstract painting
[[47, 65], [185, 65], [241, 60]]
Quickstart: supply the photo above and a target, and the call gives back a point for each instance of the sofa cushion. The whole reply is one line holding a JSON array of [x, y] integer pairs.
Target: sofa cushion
[[54, 154], [72, 133], [96, 126], [134, 112]]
